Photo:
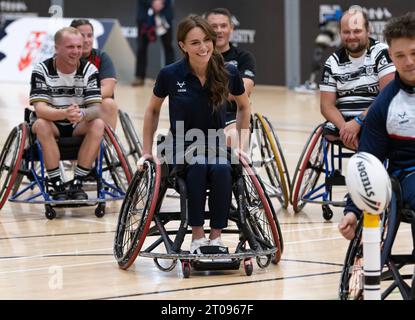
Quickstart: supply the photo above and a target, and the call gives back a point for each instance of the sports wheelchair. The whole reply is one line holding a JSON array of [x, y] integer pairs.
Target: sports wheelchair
[[352, 277], [134, 151], [22, 157], [276, 178], [141, 219], [319, 156]]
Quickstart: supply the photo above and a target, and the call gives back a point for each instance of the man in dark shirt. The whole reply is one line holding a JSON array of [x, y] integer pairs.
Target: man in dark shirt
[[221, 21], [103, 63]]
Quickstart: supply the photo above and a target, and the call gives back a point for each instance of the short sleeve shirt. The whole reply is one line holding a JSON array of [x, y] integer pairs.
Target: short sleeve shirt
[[189, 106], [193, 120], [61, 90], [244, 61], [356, 81], [104, 64]]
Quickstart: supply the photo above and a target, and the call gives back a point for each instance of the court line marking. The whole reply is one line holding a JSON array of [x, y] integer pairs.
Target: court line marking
[[221, 285]]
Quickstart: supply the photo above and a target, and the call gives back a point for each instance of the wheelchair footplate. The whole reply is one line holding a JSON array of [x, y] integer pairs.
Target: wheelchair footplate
[[212, 254]]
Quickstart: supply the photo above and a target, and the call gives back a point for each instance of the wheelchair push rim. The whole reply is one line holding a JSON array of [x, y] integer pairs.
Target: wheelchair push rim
[[273, 160], [128, 243], [14, 147]]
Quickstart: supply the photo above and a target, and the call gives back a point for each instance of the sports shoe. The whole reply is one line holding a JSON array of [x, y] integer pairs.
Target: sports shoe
[[138, 82], [196, 244], [59, 192], [76, 192], [217, 242]]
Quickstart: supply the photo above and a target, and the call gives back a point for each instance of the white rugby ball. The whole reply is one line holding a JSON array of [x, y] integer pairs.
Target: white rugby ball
[[368, 183]]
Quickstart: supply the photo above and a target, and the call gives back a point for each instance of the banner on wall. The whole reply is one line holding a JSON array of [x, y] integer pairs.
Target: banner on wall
[[27, 41]]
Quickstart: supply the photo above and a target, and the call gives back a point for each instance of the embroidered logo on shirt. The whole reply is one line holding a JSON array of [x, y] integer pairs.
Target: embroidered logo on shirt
[[249, 73], [403, 116], [181, 85], [232, 63]]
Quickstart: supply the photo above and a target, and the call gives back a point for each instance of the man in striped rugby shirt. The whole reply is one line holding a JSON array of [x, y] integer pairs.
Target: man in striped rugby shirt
[[65, 92]]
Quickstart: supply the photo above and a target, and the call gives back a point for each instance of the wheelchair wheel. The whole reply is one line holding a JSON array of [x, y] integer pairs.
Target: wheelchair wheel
[[136, 214], [10, 160], [273, 160], [260, 214], [115, 160], [308, 169], [134, 144], [352, 277]]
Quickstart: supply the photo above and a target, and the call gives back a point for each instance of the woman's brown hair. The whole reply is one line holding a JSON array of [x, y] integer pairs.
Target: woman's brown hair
[[216, 74]]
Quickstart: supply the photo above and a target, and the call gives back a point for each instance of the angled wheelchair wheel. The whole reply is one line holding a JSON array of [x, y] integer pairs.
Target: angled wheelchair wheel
[[309, 168], [136, 214], [352, 277], [273, 160], [11, 159], [115, 160], [134, 144], [260, 213]]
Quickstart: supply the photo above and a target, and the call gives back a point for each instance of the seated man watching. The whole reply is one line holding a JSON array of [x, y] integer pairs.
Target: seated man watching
[[103, 63], [66, 95], [221, 21], [352, 77]]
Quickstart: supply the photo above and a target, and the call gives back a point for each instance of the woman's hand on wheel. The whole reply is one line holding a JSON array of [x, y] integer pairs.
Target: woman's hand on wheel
[[140, 162]]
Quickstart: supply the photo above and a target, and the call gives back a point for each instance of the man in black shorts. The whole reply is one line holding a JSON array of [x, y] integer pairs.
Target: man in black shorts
[[221, 21], [65, 92]]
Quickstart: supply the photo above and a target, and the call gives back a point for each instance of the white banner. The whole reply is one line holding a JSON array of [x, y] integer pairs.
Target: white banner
[[28, 41]]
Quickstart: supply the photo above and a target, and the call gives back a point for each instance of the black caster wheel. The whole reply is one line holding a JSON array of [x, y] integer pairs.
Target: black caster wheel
[[327, 213], [248, 266], [100, 210], [50, 213], [186, 269]]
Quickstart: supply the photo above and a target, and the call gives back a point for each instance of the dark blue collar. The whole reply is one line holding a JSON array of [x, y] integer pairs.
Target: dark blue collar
[[185, 67], [404, 86]]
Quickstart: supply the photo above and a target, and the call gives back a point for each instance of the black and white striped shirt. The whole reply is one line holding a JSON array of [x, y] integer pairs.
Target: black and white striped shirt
[[61, 90], [356, 81]]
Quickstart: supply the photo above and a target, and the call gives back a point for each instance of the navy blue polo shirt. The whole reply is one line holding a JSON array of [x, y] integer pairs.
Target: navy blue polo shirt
[[189, 104]]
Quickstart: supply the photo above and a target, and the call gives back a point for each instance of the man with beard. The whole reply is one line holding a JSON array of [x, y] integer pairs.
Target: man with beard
[[352, 77]]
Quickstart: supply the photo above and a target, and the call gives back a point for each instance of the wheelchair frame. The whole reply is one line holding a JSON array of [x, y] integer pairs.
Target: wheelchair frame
[[319, 156], [272, 158], [27, 151], [149, 188], [352, 279]]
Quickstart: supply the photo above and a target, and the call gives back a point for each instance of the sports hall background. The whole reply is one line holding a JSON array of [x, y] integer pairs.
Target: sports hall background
[[280, 33]]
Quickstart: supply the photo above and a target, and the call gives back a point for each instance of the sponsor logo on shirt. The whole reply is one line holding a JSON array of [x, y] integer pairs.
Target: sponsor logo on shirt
[[181, 86], [79, 91], [249, 73], [232, 63]]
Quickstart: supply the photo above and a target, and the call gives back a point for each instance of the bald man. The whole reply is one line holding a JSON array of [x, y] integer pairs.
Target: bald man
[[65, 92]]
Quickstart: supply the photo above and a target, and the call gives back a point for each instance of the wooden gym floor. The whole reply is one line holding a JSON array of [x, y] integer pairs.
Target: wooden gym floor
[[71, 257]]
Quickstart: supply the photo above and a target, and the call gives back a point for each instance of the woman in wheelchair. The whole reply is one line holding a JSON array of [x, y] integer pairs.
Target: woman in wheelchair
[[198, 86]]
